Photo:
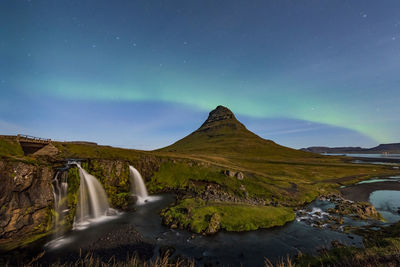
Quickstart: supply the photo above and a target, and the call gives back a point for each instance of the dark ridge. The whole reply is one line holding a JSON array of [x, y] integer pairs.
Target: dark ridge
[[382, 148]]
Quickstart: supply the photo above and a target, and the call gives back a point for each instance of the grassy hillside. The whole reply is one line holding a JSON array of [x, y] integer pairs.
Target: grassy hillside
[[71, 150], [10, 147]]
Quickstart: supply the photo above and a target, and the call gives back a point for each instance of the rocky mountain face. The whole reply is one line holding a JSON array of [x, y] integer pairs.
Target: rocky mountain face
[[382, 148], [26, 200], [220, 117]]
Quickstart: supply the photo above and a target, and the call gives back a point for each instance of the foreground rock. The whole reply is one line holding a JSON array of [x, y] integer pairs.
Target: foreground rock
[[26, 201]]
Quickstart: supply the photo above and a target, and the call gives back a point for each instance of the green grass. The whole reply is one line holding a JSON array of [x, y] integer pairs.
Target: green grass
[[195, 215], [69, 150], [10, 147], [179, 175]]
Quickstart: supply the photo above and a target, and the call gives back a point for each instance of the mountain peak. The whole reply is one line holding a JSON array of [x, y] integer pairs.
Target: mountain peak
[[220, 113], [219, 117], [223, 134]]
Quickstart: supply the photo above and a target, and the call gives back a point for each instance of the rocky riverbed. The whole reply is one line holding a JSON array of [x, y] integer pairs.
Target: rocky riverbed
[[335, 213]]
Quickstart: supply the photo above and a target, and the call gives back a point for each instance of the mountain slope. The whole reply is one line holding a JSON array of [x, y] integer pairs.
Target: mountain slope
[[222, 134]]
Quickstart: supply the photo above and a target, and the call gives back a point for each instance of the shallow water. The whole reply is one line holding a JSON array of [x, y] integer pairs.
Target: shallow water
[[378, 180], [387, 202], [390, 156]]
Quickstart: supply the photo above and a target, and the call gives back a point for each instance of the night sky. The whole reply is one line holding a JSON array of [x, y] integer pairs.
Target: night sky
[[142, 74]]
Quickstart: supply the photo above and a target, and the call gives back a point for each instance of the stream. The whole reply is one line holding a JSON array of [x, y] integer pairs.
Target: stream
[[227, 248]]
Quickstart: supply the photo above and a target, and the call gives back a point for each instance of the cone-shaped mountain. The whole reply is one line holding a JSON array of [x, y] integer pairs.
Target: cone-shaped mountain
[[223, 134]]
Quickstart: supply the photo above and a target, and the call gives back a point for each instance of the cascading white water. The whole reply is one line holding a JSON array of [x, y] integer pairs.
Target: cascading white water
[[60, 187], [92, 204], [138, 187], [92, 200]]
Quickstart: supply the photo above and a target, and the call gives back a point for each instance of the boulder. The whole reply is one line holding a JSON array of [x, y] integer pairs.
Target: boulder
[[214, 224], [229, 173], [239, 176]]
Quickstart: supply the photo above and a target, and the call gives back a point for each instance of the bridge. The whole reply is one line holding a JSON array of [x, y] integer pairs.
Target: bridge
[[31, 144]]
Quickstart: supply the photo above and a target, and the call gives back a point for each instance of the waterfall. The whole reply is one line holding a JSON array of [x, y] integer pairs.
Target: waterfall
[[60, 187], [92, 204], [92, 200], [138, 187]]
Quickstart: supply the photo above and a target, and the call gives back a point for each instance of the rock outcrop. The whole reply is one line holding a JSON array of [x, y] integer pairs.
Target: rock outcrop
[[238, 175], [147, 165], [219, 118], [213, 226], [26, 201], [358, 210], [215, 192]]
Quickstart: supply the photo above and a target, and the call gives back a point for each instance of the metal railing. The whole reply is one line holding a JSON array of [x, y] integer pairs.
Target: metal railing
[[33, 139]]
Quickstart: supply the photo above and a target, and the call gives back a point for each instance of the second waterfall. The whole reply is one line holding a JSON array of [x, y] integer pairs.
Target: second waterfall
[[138, 187]]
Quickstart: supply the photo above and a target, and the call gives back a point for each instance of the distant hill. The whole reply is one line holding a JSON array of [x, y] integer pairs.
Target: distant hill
[[382, 148]]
